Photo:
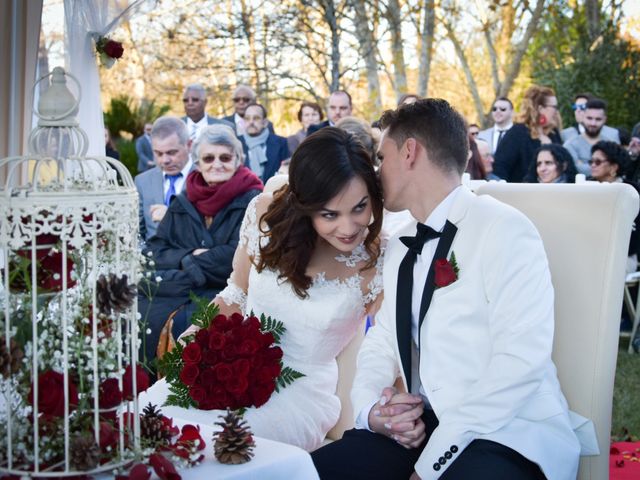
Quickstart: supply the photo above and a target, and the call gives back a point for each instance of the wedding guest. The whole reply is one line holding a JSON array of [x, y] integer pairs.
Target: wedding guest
[[144, 149], [474, 130], [110, 146], [554, 164], [264, 150], [538, 124], [310, 113], [338, 106], [309, 256], [484, 149], [195, 242], [194, 99], [475, 166], [362, 131]]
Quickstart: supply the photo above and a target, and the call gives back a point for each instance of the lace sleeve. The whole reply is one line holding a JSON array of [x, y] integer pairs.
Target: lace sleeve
[[249, 232], [375, 285], [232, 293]]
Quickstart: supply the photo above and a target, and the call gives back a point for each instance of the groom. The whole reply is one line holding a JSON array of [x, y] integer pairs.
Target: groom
[[466, 323]]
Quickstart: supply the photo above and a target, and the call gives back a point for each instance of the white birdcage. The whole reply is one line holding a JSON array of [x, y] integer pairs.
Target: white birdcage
[[69, 346]]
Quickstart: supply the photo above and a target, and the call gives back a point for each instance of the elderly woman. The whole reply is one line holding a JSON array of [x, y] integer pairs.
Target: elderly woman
[[538, 124], [554, 164], [195, 242]]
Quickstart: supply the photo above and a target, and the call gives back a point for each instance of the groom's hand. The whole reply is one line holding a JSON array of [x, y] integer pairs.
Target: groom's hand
[[397, 415]]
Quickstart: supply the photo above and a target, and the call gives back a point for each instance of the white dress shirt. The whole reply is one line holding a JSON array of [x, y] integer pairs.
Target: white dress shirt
[[436, 220], [194, 128]]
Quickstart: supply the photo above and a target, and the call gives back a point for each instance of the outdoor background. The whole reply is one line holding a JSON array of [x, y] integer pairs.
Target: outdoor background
[[467, 51]]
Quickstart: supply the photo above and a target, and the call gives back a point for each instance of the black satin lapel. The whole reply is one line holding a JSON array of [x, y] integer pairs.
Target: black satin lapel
[[403, 313], [442, 251]]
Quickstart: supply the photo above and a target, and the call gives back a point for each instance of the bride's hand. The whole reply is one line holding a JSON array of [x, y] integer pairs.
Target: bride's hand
[[192, 330], [397, 415]]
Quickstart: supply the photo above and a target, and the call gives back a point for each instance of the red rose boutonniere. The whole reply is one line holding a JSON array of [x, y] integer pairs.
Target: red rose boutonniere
[[446, 271], [108, 51]]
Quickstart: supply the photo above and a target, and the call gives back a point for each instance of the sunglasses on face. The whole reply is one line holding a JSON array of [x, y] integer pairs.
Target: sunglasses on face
[[597, 162], [224, 158], [502, 109], [474, 134], [241, 99], [579, 106], [191, 99]]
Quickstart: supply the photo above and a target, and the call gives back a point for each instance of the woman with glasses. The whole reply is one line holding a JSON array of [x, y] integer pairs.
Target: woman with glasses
[[194, 245], [554, 164], [537, 124]]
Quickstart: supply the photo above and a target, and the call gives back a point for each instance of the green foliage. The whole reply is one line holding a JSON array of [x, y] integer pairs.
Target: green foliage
[[128, 155], [564, 57], [205, 311], [275, 327], [127, 115], [287, 376]]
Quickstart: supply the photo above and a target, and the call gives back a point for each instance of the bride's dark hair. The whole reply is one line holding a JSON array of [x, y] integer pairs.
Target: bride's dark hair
[[320, 168]]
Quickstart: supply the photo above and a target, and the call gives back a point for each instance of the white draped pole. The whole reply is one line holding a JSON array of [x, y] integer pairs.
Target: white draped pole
[[86, 20]]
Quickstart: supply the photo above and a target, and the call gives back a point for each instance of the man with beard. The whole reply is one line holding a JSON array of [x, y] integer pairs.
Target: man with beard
[[595, 116]]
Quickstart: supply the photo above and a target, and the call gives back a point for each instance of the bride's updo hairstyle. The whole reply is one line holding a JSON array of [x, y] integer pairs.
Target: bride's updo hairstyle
[[320, 168]]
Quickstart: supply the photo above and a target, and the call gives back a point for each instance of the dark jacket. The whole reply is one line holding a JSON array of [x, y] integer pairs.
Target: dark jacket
[[314, 128], [182, 231], [277, 151], [515, 153]]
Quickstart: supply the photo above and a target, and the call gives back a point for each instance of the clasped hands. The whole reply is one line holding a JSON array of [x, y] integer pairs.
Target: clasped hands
[[398, 416]]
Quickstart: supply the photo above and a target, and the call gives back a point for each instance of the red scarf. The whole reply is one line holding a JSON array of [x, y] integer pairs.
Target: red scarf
[[210, 199]]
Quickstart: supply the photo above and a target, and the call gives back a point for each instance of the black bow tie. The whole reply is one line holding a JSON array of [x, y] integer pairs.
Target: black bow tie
[[423, 234]]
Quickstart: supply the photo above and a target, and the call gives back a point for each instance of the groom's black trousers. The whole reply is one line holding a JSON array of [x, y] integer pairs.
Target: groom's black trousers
[[364, 455]]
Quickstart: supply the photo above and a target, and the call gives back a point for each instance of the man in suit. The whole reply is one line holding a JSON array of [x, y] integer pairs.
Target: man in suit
[[156, 187], [466, 324], [502, 113], [243, 96], [339, 106], [579, 106], [144, 150], [264, 150], [194, 99]]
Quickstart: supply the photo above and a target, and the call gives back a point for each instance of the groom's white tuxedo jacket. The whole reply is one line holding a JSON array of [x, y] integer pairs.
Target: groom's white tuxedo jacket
[[485, 344]]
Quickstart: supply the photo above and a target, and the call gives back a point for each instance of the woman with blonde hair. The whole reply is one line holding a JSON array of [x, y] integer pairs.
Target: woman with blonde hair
[[537, 124]]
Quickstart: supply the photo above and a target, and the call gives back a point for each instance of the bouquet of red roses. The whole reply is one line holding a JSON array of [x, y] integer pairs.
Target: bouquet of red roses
[[231, 362]]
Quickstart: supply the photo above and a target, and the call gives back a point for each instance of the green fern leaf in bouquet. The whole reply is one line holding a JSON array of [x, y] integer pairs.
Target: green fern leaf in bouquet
[[205, 311], [287, 376], [272, 326]]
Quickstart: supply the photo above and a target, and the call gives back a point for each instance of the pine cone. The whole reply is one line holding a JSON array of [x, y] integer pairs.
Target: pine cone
[[85, 453], [114, 294], [10, 358], [152, 428], [234, 443]]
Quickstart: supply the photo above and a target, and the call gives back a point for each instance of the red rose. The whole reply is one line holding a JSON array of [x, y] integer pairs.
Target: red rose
[[223, 371], [110, 394], [142, 382], [241, 367], [219, 323], [445, 273], [208, 377], [51, 394], [217, 340], [209, 357], [50, 277], [252, 323], [108, 435], [237, 385], [263, 376], [260, 394], [272, 354], [189, 374], [229, 352], [163, 467], [191, 438], [248, 347], [236, 320], [197, 394], [202, 337], [113, 49], [137, 472], [267, 339], [192, 353]]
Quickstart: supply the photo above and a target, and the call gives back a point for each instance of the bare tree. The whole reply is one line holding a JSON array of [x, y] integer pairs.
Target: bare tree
[[367, 47]]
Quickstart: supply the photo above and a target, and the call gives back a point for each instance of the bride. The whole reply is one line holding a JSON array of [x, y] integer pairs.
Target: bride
[[310, 256]]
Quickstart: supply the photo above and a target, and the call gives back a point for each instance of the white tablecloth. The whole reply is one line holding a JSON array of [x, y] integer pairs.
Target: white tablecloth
[[272, 461]]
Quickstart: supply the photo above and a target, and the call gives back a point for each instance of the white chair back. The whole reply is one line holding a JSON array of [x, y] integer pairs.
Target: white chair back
[[585, 229]]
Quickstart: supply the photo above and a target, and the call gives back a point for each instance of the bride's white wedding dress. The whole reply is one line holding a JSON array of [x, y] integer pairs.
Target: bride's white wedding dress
[[318, 329]]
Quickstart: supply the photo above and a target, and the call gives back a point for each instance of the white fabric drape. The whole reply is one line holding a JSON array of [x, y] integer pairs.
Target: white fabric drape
[[84, 21]]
